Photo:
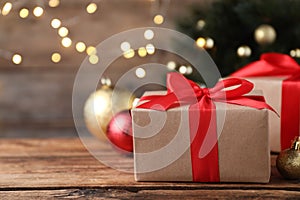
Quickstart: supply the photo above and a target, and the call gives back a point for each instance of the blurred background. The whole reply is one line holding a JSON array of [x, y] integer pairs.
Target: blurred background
[[43, 43]]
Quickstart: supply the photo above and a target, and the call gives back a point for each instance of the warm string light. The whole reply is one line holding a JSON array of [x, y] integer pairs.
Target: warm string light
[[66, 42], [183, 69], [129, 53], [53, 3], [171, 65], [93, 59], [80, 47], [91, 50], [158, 19], [38, 11], [207, 43], [16, 59], [142, 51], [91, 8], [63, 31], [55, 23], [295, 53], [244, 51], [56, 57], [140, 72], [125, 46], [150, 49], [6, 8], [148, 34], [200, 24], [24, 12]]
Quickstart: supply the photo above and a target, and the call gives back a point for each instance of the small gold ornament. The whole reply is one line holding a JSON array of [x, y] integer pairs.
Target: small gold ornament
[[265, 34], [288, 161], [102, 105]]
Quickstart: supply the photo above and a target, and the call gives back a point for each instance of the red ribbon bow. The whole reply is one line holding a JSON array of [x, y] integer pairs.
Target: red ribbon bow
[[276, 64], [181, 91]]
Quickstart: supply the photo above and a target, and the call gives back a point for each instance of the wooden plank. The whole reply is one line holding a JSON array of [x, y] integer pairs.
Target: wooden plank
[[65, 163], [112, 193]]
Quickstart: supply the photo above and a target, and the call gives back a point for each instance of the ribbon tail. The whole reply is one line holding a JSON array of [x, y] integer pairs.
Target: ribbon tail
[[250, 102], [205, 166], [290, 112]]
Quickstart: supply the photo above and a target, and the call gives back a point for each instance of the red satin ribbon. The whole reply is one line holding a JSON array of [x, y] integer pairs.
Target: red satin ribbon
[[182, 91], [276, 64]]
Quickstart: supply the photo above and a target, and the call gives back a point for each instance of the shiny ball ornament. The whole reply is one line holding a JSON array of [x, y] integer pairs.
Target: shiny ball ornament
[[265, 34], [288, 161], [119, 131], [102, 105]]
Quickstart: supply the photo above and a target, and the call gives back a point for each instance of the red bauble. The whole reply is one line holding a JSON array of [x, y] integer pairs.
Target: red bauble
[[119, 131]]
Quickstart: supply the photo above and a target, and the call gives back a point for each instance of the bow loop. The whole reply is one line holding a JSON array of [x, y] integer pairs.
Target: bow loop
[[270, 64], [182, 91]]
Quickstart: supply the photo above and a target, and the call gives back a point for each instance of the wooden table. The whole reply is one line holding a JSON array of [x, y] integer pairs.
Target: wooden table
[[63, 168]]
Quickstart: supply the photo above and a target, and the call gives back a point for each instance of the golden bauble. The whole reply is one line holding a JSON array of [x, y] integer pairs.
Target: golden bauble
[[102, 105], [288, 161], [265, 34]]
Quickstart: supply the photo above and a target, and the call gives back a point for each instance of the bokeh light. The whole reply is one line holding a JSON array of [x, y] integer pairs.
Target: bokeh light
[[125, 46], [55, 23], [38, 11], [66, 42], [54, 3], [244, 51], [140, 72], [91, 50], [142, 51], [16, 59], [80, 47], [150, 49], [129, 54], [63, 31], [6, 8], [24, 12], [56, 57], [93, 59], [171, 65], [158, 19], [91, 8], [201, 42], [148, 34]]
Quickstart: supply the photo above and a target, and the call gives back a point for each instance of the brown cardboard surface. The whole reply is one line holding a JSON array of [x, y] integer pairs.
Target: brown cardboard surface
[[243, 144], [171, 140], [272, 89]]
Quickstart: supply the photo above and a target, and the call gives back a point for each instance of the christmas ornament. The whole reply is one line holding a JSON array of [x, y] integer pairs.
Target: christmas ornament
[[119, 131], [101, 105], [288, 161], [265, 34]]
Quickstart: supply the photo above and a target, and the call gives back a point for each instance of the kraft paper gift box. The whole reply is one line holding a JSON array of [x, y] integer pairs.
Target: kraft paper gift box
[[278, 76], [162, 144]]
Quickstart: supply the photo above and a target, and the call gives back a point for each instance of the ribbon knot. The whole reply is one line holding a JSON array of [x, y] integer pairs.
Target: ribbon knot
[[203, 92]]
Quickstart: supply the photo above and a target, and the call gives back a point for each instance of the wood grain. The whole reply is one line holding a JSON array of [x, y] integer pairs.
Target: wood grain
[[63, 168], [148, 194]]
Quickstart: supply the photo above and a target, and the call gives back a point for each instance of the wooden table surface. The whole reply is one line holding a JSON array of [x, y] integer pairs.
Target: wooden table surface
[[63, 168]]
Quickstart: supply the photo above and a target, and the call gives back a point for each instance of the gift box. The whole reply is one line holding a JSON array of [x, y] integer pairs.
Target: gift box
[[278, 76], [211, 139]]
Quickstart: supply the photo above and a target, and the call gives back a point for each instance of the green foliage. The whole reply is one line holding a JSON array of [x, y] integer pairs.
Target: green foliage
[[232, 23]]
